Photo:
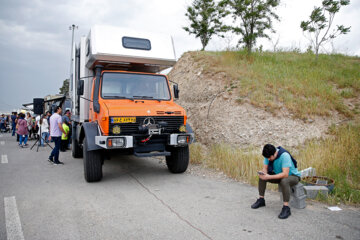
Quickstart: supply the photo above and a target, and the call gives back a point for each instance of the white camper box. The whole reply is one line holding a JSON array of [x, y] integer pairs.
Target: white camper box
[[116, 45], [118, 49]]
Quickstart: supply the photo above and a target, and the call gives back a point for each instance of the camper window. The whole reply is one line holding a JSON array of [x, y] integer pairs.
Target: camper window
[[136, 43]]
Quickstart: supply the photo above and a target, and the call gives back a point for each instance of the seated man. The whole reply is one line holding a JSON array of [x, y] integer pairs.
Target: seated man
[[281, 168]]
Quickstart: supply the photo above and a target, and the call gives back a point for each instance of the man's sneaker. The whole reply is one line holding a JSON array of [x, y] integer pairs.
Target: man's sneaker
[[285, 212], [58, 163], [50, 160], [259, 203]]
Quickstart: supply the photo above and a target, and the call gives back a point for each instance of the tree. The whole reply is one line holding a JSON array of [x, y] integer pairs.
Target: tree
[[319, 25], [204, 16], [255, 18], [65, 87]]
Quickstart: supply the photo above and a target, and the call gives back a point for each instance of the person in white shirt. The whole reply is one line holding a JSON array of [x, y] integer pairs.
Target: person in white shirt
[[44, 128], [56, 131]]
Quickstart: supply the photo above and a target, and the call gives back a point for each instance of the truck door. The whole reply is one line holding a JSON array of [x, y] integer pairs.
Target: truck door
[[92, 116]]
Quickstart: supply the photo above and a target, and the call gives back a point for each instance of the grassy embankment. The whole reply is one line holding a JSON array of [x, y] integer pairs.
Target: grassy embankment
[[306, 88]]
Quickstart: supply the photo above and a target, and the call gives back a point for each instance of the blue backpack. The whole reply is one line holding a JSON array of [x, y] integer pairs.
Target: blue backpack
[[280, 152]]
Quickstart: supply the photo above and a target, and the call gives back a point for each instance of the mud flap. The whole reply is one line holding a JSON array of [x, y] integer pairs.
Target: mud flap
[[91, 130]]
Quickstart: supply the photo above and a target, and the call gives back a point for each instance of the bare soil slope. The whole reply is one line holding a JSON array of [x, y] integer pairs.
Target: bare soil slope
[[217, 115]]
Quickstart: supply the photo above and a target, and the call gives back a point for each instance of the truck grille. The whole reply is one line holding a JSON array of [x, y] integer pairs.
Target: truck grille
[[174, 122]]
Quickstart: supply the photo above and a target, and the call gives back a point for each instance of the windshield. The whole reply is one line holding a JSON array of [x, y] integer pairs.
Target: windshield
[[134, 86]]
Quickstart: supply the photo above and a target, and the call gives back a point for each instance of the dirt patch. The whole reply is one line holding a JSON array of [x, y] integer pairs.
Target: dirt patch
[[353, 104], [218, 115]]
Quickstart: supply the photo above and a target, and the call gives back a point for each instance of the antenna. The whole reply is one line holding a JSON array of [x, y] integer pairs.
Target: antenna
[[172, 41]]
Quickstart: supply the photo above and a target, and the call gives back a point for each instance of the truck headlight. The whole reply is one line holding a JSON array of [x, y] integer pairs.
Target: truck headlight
[[116, 142], [181, 140]]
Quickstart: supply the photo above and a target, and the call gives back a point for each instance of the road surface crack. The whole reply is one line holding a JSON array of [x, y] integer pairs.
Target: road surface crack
[[170, 208]]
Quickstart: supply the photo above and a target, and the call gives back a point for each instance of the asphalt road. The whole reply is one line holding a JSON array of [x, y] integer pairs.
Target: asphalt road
[[139, 199]]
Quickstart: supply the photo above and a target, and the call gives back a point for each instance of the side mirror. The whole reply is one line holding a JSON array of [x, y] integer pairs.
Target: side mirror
[[176, 91], [80, 88]]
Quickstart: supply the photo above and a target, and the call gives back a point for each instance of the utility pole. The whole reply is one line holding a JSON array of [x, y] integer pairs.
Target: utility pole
[[72, 28]]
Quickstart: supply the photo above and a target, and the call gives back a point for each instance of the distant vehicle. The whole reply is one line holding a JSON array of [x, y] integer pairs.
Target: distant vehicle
[[121, 102]]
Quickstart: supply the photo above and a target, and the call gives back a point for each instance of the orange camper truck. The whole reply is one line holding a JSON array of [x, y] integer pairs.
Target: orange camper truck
[[121, 102]]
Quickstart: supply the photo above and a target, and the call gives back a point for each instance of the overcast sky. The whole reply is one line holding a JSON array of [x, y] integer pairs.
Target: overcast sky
[[35, 38]]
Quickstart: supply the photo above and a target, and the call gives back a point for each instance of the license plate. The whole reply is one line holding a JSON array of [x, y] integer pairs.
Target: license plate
[[123, 120]]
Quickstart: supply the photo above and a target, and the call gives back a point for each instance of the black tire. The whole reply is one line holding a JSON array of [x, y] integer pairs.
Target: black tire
[[92, 164], [76, 149], [179, 160]]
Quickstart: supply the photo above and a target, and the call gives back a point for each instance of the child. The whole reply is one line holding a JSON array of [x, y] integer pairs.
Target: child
[[64, 137]]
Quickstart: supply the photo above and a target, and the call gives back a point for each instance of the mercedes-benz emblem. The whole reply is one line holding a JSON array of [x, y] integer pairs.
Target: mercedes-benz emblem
[[149, 121]]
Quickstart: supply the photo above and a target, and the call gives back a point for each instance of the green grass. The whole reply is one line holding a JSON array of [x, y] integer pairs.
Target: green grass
[[336, 157], [306, 87], [237, 163]]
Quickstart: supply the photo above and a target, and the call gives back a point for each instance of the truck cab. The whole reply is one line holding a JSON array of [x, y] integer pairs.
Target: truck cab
[[122, 102]]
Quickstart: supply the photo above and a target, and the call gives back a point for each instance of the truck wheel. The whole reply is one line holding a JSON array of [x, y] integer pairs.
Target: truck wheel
[[179, 160], [76, 149], [92, 164]]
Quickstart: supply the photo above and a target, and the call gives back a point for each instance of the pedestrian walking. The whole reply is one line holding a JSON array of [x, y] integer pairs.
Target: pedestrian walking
[[17, 126], [2, 123], [28, 119], [13, 123], [23, 130], [55, 133]]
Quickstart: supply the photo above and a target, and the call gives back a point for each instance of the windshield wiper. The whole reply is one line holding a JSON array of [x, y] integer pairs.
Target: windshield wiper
[[146, 97], [119, 97], [143, 97]]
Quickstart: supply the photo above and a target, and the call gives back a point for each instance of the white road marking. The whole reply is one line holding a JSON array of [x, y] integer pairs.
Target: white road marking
[[4, 159], [12, 218], [2, 142]]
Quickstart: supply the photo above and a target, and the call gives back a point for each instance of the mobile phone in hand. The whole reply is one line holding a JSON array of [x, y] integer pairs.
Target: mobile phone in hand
[[261, 173]]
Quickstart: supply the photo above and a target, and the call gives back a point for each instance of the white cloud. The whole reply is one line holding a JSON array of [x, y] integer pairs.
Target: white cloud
[[293, 12], [19, 36]]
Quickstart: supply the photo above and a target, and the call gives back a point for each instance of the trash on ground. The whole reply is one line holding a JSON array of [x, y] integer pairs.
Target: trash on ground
[[335, 209], [308, 172]]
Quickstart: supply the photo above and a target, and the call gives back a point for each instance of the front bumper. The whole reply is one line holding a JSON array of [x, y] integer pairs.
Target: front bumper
[[103, 141], [125, 142]]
